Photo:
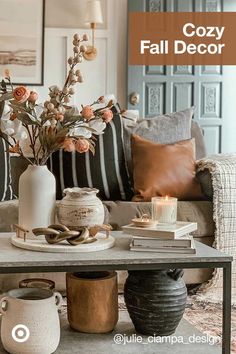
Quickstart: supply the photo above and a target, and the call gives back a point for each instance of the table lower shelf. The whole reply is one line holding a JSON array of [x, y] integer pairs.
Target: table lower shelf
[[74, 342]]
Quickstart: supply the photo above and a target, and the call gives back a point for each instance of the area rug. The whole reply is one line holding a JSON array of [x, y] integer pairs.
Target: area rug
[[207, 318], [223, 176]]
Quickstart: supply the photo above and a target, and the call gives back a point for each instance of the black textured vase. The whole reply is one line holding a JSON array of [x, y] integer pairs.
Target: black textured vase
[[155, 300]]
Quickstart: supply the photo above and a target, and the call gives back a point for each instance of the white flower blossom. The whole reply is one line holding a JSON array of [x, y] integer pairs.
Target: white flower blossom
[[13, 128], [98, 125], [39, 109], [47, 124], [21, 135], [81, 131]]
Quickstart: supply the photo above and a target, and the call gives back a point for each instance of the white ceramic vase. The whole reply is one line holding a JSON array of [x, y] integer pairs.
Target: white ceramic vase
[[30, 321], [37, 198], [81, 207]]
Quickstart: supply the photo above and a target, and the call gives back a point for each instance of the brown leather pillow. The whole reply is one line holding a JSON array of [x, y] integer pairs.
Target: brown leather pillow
[[161, 170]]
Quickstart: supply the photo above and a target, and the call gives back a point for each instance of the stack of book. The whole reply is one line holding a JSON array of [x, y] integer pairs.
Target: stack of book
[[163, 238]]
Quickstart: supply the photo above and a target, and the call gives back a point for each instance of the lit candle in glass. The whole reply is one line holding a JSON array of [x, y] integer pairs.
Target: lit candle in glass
[[164, 210]]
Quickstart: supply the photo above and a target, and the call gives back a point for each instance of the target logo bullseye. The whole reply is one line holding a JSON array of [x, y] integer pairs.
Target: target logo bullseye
[[20, 333]]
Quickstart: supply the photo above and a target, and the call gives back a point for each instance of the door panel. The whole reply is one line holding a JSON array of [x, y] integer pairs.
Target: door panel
[[180, 90], [183, 70], [155, 99], [184, 6], [212, 5], [211, 70], [211, 100], [155, 6], [155, 69], [212, 135], [166, 89]]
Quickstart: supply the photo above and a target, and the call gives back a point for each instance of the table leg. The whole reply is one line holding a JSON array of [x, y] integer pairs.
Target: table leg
[[226, 334]]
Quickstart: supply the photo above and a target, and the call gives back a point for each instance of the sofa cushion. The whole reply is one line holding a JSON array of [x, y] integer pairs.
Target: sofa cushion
[[8, 215], [5, 173], [164, 129], [164, 169], [105, 170]]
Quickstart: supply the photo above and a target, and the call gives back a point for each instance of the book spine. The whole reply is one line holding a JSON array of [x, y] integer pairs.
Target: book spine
[[158, 250], [146, 242]]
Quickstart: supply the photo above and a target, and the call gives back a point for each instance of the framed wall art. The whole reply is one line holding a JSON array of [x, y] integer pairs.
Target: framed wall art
[[22, 40]]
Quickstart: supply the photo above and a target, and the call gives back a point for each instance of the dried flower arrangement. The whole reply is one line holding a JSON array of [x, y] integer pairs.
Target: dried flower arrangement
[[54, 124]]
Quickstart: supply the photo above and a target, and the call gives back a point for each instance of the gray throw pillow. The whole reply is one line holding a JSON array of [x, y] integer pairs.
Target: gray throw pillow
[[164, 129], [197, 134]]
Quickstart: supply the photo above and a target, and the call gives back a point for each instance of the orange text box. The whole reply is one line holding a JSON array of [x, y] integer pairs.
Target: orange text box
[[183, 38]]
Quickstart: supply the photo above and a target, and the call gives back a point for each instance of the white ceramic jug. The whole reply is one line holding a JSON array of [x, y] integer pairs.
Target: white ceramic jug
[[30, 321], [81, 207]]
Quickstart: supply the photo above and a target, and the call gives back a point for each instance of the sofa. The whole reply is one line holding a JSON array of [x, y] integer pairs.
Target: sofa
[[119, 213]]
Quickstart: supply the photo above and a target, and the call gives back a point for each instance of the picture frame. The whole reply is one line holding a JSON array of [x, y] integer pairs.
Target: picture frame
[[22, 41]]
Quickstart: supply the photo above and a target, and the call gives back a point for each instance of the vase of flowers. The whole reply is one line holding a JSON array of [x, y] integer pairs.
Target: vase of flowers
[[45, 128]]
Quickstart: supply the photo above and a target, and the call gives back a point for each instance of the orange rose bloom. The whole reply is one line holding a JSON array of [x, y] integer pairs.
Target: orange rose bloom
[[87, 112], [69, 145], [60, 117], [33, 96], [13, 116], [15, 149], [21, 94], [107, 115], [82, 145]]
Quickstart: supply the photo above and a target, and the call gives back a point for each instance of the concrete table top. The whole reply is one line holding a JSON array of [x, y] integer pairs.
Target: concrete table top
[[16, 260]]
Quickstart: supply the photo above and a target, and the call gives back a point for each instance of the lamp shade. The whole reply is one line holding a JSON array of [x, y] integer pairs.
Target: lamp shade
[[93, 12]]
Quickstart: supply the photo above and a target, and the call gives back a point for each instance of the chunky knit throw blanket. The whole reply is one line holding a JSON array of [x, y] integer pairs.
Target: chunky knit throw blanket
[[223, 173]]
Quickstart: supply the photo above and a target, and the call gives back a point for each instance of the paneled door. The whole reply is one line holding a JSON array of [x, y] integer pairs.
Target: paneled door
[[211, 89]]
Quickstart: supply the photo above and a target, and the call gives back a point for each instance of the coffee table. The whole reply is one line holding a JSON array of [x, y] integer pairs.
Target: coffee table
[[15, 260]]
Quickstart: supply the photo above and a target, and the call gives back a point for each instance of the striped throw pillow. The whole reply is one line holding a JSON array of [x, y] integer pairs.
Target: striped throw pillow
[[106, 170], [5, 173]]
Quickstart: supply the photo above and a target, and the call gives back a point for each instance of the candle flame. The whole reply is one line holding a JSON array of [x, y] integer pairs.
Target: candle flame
[[166, 197]]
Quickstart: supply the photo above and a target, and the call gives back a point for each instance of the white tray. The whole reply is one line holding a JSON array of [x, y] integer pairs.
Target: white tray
[[101, 244]]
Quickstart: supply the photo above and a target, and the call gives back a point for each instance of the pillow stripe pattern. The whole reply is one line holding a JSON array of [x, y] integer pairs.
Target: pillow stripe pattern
[[116, 159], [5, 173], [106, 170]]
